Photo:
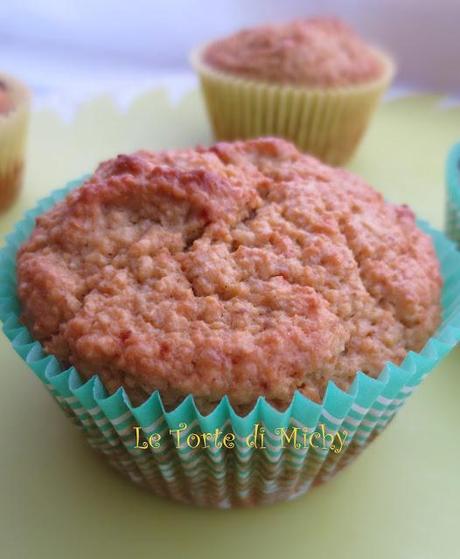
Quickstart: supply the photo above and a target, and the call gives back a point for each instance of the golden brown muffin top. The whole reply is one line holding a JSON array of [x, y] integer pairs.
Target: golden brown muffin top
[[317, 52], [244, 269]]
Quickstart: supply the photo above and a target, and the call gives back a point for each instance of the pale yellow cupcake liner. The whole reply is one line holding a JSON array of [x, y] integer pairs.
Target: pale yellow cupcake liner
[[13, 134], [327, 122]]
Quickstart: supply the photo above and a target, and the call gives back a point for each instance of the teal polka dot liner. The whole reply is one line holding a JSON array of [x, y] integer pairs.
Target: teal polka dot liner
[[244, 474], [453, 194]]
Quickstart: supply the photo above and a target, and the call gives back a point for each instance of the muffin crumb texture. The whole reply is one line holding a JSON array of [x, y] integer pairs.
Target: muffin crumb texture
[[244, 269], [315, 52]]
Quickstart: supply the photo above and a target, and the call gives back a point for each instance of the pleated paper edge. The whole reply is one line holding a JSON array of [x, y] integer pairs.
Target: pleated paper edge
[[364, 410], [328, 122]]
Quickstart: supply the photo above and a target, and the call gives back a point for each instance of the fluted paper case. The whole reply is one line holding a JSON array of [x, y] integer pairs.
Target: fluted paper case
[[240, 475]]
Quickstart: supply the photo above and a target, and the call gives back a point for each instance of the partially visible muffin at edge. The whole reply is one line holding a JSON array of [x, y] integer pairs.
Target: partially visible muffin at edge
[[245, 269], [14, 117], [319, 51]]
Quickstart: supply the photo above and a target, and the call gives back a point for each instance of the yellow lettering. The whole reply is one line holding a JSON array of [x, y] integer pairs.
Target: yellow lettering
[[229, 440], [314, 435], [256, 438], [193, 440], [326, 436], [144, 444], [154, 440], [288, 437], [341, 441], [177, 433]]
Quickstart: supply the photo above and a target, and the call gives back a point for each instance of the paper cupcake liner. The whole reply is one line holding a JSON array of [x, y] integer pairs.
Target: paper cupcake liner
[[13, 132], [242, 475], [328, 123], [453, 194]]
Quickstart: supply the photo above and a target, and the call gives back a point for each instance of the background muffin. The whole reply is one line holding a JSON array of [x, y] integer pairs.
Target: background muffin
[[318, 52], [245, 270], [312, 81], [14, 116]]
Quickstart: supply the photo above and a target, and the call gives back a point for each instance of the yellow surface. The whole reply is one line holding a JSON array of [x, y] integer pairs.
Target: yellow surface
[[401, 499]]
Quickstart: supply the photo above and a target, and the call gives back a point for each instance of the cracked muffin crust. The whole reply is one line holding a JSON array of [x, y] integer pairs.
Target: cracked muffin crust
[[245, 269], [314, 52]]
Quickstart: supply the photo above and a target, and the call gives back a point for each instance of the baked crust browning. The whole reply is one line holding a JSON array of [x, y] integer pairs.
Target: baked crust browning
[[315, 52], [246, 269]]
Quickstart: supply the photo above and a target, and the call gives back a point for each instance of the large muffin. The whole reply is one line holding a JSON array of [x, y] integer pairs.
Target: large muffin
[[319, 51], [244, 269]]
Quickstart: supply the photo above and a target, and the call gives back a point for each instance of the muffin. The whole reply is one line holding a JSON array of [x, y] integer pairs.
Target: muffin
[[241, 270], [177, 300], [314, 82], [14, 114]]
